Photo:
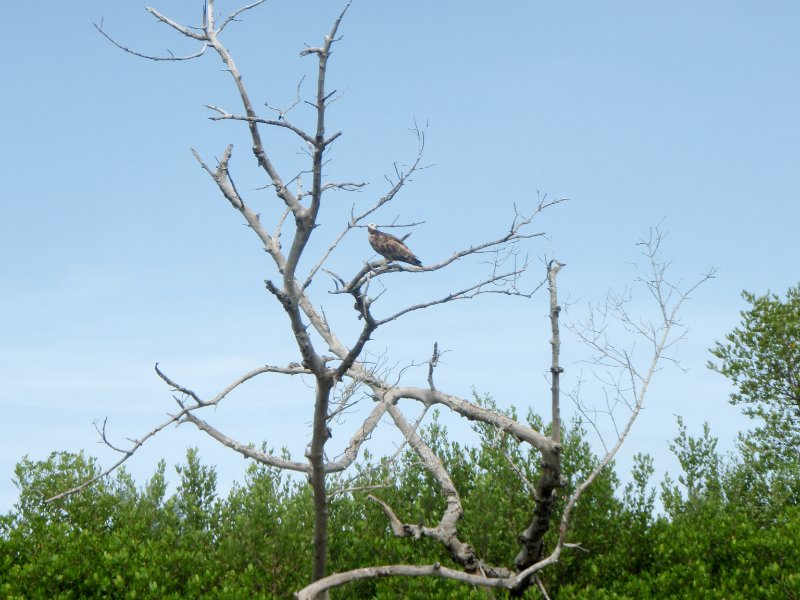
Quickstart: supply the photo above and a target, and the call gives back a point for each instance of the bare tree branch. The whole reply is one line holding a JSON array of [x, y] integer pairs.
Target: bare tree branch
[[246, 450], [226, 116], [171, 56], [126, 455], [337, 378], [446, 532], [359, 437], [236, 13], [465, 294], [669, 304], [182, 29], [474, 412], [435, 570], [515, 233], [403, 176]]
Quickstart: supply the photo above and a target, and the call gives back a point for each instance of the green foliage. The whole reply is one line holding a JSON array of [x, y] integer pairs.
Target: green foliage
[[761, 357], [715, 540], [113, 540], [701, 470], [730, 529]]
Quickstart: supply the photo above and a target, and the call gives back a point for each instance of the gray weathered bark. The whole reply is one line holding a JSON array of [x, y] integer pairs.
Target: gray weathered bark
[[299, 219]]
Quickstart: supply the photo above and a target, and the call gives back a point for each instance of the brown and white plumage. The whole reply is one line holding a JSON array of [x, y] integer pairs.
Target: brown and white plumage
[[390, 247]]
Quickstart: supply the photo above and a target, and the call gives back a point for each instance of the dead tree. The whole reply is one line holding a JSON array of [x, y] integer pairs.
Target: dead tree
[[294, 215]]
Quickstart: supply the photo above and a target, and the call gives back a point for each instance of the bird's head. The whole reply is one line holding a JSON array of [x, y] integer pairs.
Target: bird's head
[[372, 228]]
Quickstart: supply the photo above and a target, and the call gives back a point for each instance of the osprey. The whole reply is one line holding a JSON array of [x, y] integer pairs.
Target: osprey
[[390, 247]]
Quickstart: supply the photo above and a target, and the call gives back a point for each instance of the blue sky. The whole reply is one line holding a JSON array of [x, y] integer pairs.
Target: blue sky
[[119, 251]]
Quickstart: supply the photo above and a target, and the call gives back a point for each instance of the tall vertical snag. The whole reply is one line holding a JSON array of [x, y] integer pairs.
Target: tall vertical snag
[[532, 539], [553, 268]]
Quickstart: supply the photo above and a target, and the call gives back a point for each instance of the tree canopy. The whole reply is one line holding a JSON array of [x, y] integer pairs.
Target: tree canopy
[[718, 536], [761, 357]]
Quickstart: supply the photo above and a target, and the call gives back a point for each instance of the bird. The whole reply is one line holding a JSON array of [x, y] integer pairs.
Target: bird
[[390, 247]]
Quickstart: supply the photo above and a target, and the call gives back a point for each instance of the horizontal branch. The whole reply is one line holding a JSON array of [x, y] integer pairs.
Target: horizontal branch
[[465, 294], [226, 116], [474, 412], [515, 233], [347, 186], [435, 570]]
